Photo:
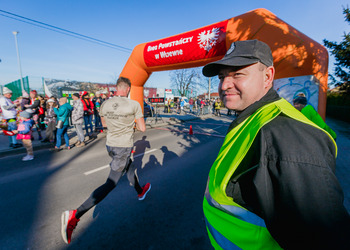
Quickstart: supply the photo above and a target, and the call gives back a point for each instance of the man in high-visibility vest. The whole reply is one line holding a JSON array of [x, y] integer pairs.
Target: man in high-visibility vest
[[300, 103], [273, 184]]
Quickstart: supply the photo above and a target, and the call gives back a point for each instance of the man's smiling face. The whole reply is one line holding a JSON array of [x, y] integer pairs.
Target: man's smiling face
[[242, 86]]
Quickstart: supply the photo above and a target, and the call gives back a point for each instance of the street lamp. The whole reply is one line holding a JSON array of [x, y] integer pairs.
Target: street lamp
[[18, 59]]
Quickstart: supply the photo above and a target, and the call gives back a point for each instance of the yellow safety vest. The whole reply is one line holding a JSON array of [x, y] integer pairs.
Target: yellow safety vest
[[229, 225]]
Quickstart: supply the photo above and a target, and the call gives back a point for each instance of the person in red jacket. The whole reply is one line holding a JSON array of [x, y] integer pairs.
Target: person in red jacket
[[88, 112]]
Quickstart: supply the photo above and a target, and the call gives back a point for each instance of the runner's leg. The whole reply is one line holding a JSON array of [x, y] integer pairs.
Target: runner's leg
[[100, 193], [132, 177], [120, 158]]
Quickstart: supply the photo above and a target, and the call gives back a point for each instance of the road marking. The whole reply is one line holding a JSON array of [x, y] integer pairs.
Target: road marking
[[96, 170], [217, 127], [147, 152], [203, 123], [107, 166]]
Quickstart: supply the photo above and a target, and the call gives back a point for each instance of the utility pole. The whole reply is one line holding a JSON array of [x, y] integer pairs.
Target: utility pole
[[19, 60], [209, 87]]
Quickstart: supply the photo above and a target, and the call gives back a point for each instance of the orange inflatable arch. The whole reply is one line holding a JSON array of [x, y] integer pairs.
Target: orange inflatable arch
[[296, 56]]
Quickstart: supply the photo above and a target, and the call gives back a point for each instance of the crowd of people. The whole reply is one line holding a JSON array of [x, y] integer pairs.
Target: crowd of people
[[54, 116], [31, 114], [197, 106]]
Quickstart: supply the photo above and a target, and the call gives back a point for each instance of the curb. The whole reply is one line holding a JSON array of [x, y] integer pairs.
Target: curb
[[36, 146], [22, 150]]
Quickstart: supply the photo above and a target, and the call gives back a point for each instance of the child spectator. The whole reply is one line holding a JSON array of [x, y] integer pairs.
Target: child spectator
[[24, 133]]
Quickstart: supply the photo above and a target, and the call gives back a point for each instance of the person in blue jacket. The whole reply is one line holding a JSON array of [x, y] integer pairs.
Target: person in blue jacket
[[63, 113]]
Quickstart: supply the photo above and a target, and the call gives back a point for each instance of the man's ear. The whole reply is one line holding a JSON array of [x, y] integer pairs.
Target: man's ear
[[269, 76]]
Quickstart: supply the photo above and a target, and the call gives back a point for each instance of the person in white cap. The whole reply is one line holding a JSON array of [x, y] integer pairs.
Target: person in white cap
[[9, 113]]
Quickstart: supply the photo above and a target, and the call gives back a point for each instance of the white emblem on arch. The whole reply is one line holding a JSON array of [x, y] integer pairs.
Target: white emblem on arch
[[207, 39]]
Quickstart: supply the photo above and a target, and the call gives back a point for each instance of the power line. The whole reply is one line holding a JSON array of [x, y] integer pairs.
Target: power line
[[63, 31]]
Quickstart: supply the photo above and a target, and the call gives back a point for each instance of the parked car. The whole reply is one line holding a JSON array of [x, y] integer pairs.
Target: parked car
[[148, 110]]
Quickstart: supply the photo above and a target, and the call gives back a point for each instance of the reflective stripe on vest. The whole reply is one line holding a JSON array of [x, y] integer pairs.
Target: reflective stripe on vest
[[229, 225]]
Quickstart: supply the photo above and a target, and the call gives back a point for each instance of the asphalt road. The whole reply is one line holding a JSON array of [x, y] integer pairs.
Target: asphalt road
[[34, 194]]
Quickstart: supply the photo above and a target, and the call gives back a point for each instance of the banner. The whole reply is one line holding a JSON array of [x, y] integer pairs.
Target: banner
[[290, 87], [195, 45]]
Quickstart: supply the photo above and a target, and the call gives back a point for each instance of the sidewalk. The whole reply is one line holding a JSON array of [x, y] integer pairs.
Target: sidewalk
[[5, 150], [151, 122]]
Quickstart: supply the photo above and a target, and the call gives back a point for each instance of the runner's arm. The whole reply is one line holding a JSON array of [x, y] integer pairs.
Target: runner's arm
[[140, 124], [103, 122]]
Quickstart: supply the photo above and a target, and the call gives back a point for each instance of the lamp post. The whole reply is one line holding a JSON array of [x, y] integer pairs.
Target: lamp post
[[209, 87], [18, 59]]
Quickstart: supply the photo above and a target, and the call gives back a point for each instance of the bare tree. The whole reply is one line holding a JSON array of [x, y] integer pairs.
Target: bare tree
[[185, 79]]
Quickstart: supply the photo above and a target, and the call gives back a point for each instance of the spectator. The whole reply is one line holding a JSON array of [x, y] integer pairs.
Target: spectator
[[78, 119], [190, 102], [198, 103], [50, 120], [182, 105], [300, 103], [9, 113], [88, 112], [97, 101], [166, 106], [203, 104], [41, 112], [172, 104], [104, 96], [33, 107], [25, 100], [217, 107], [63, 113], [24, 133]]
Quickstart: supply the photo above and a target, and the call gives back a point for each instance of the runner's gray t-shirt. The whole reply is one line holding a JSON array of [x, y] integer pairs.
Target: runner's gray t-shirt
[[120, 114]]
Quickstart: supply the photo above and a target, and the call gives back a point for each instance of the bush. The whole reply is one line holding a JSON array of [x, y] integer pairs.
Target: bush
[[338, 99]]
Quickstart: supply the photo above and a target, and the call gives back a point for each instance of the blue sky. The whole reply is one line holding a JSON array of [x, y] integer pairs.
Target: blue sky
[[128, 23]]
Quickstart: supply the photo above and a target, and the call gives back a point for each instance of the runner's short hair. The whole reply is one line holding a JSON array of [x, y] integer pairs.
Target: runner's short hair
[[123, 81]]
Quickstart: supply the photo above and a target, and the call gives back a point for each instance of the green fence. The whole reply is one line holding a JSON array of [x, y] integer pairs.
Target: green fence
[[17, 89]]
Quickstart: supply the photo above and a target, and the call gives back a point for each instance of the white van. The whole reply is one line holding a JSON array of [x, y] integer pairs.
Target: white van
[[184, 98]]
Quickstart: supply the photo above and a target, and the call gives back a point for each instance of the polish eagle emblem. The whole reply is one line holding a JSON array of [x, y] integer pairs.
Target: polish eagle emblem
[[207, 39]]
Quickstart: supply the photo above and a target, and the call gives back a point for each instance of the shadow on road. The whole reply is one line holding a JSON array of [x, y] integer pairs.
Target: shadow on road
[[26, 216]]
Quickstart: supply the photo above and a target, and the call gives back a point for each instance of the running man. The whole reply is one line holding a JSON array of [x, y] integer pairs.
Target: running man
[[119, 114]]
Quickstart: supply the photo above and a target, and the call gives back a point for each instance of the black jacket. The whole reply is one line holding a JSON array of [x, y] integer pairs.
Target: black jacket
[[288, 179]]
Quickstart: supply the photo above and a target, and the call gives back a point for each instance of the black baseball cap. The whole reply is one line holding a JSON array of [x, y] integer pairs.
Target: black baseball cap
[[300, 100], [241, 53]]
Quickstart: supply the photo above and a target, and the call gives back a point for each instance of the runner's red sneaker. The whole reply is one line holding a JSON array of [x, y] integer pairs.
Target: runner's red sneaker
[[68, 224], [145, 190]]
